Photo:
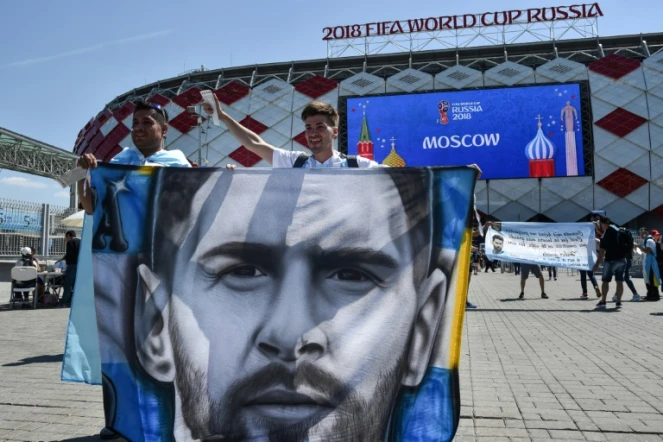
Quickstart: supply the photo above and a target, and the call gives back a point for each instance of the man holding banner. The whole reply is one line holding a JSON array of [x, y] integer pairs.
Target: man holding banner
[[536, 271], [148, 134], [321, 120], [612, 254], [567, 245]]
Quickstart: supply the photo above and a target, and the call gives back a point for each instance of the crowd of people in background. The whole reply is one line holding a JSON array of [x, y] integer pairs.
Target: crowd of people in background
[[616, 247]]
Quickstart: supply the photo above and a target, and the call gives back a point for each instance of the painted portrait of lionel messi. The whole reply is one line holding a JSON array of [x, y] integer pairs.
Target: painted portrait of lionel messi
[[299, 305]]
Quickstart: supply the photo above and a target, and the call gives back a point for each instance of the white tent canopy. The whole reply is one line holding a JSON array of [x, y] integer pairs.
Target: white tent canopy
[[74, 220]]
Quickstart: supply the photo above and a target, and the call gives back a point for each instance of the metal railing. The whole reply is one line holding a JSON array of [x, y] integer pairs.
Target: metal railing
[[34, 225]]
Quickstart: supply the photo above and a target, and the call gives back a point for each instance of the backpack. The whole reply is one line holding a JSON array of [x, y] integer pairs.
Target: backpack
[[49, 299], [658, 249], [625, 242], [303, 158]]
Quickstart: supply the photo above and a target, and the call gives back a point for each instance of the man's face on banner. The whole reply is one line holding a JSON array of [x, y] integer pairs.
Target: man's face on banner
[[291, 313], [497, 245]]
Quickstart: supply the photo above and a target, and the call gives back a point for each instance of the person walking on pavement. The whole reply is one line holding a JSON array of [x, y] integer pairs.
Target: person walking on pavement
[[525, 270], [659, 250], [650, 268], [584, 274], [489, 263], [627, 271], [612, 254]]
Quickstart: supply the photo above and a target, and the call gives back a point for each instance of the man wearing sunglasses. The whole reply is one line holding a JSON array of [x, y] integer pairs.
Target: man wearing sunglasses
[[148, 133]]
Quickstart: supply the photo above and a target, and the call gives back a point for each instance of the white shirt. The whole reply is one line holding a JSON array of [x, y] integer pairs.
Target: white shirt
[[287, 158], [649, 243], [60, 265]]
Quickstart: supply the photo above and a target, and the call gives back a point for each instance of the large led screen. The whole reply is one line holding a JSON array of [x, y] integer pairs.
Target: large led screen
[[515, 132]]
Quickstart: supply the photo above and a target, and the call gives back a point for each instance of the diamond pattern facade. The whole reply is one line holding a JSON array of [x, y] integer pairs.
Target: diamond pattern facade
[[622, 182], [410, 80], [614, 66], [362, 84], [509, 74], [627, 109], [458, 77], [621, 122]]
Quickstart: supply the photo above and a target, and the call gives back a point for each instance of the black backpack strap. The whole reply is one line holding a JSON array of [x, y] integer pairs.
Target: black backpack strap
[[301, 160], [351, 159]]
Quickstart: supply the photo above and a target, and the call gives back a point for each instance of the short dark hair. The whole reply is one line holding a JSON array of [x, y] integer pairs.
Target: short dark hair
[[500, 237], [70, 233], [156, 110], [320, 108], [605, 220]]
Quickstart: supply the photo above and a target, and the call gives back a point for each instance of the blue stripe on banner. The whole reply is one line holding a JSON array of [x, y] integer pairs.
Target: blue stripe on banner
[[134, 391], [82, 361], [429, 412], [455, 188]]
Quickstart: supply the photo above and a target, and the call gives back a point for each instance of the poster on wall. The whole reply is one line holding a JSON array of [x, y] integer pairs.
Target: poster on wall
[[516, 132]]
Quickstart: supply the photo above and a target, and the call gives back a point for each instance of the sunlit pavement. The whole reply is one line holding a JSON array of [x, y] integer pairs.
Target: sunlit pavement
[[532, 369]]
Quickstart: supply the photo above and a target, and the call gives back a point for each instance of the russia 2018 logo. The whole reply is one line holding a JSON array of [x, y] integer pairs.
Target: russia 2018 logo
[[443, 107]]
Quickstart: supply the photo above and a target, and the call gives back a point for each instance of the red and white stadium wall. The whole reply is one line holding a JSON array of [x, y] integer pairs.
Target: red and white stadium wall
[[627, 107]]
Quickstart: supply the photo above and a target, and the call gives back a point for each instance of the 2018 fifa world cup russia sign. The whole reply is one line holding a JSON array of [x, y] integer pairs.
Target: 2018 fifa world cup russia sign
[[452, 22]]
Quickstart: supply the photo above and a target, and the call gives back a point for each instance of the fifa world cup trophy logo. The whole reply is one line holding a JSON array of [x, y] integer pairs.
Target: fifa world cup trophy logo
[[443, 107]]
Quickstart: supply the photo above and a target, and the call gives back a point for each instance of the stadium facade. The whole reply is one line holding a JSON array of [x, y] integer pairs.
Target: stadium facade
[[624, 74]]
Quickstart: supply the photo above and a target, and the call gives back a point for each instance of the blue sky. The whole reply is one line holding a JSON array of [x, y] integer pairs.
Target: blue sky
[[63, 61]]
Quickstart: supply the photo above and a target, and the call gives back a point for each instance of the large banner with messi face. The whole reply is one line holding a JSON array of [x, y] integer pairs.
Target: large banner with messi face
[[516, 132], [281, 304]]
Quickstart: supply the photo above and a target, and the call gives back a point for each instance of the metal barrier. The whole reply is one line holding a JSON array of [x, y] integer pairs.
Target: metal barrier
[[34, 225]]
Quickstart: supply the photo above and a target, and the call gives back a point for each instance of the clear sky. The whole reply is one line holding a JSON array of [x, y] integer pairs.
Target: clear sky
[[63, 61]]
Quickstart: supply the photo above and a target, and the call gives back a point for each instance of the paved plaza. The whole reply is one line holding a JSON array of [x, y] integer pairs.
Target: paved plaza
[[531, 370]]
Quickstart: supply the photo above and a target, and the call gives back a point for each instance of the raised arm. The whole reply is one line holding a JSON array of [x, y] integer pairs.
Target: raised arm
[[86, 161], [244, 135]]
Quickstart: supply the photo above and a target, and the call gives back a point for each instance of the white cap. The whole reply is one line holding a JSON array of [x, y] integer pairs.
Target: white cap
[[26, 251]]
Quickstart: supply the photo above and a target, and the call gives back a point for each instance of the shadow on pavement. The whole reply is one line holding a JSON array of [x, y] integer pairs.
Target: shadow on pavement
[[90, 439], [27, 308], [84, 439], [529, 310], [531, 298], [578, 299], [44, 359]]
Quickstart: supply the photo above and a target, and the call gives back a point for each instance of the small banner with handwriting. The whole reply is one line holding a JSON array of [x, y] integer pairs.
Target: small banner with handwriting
[[566, 245]]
